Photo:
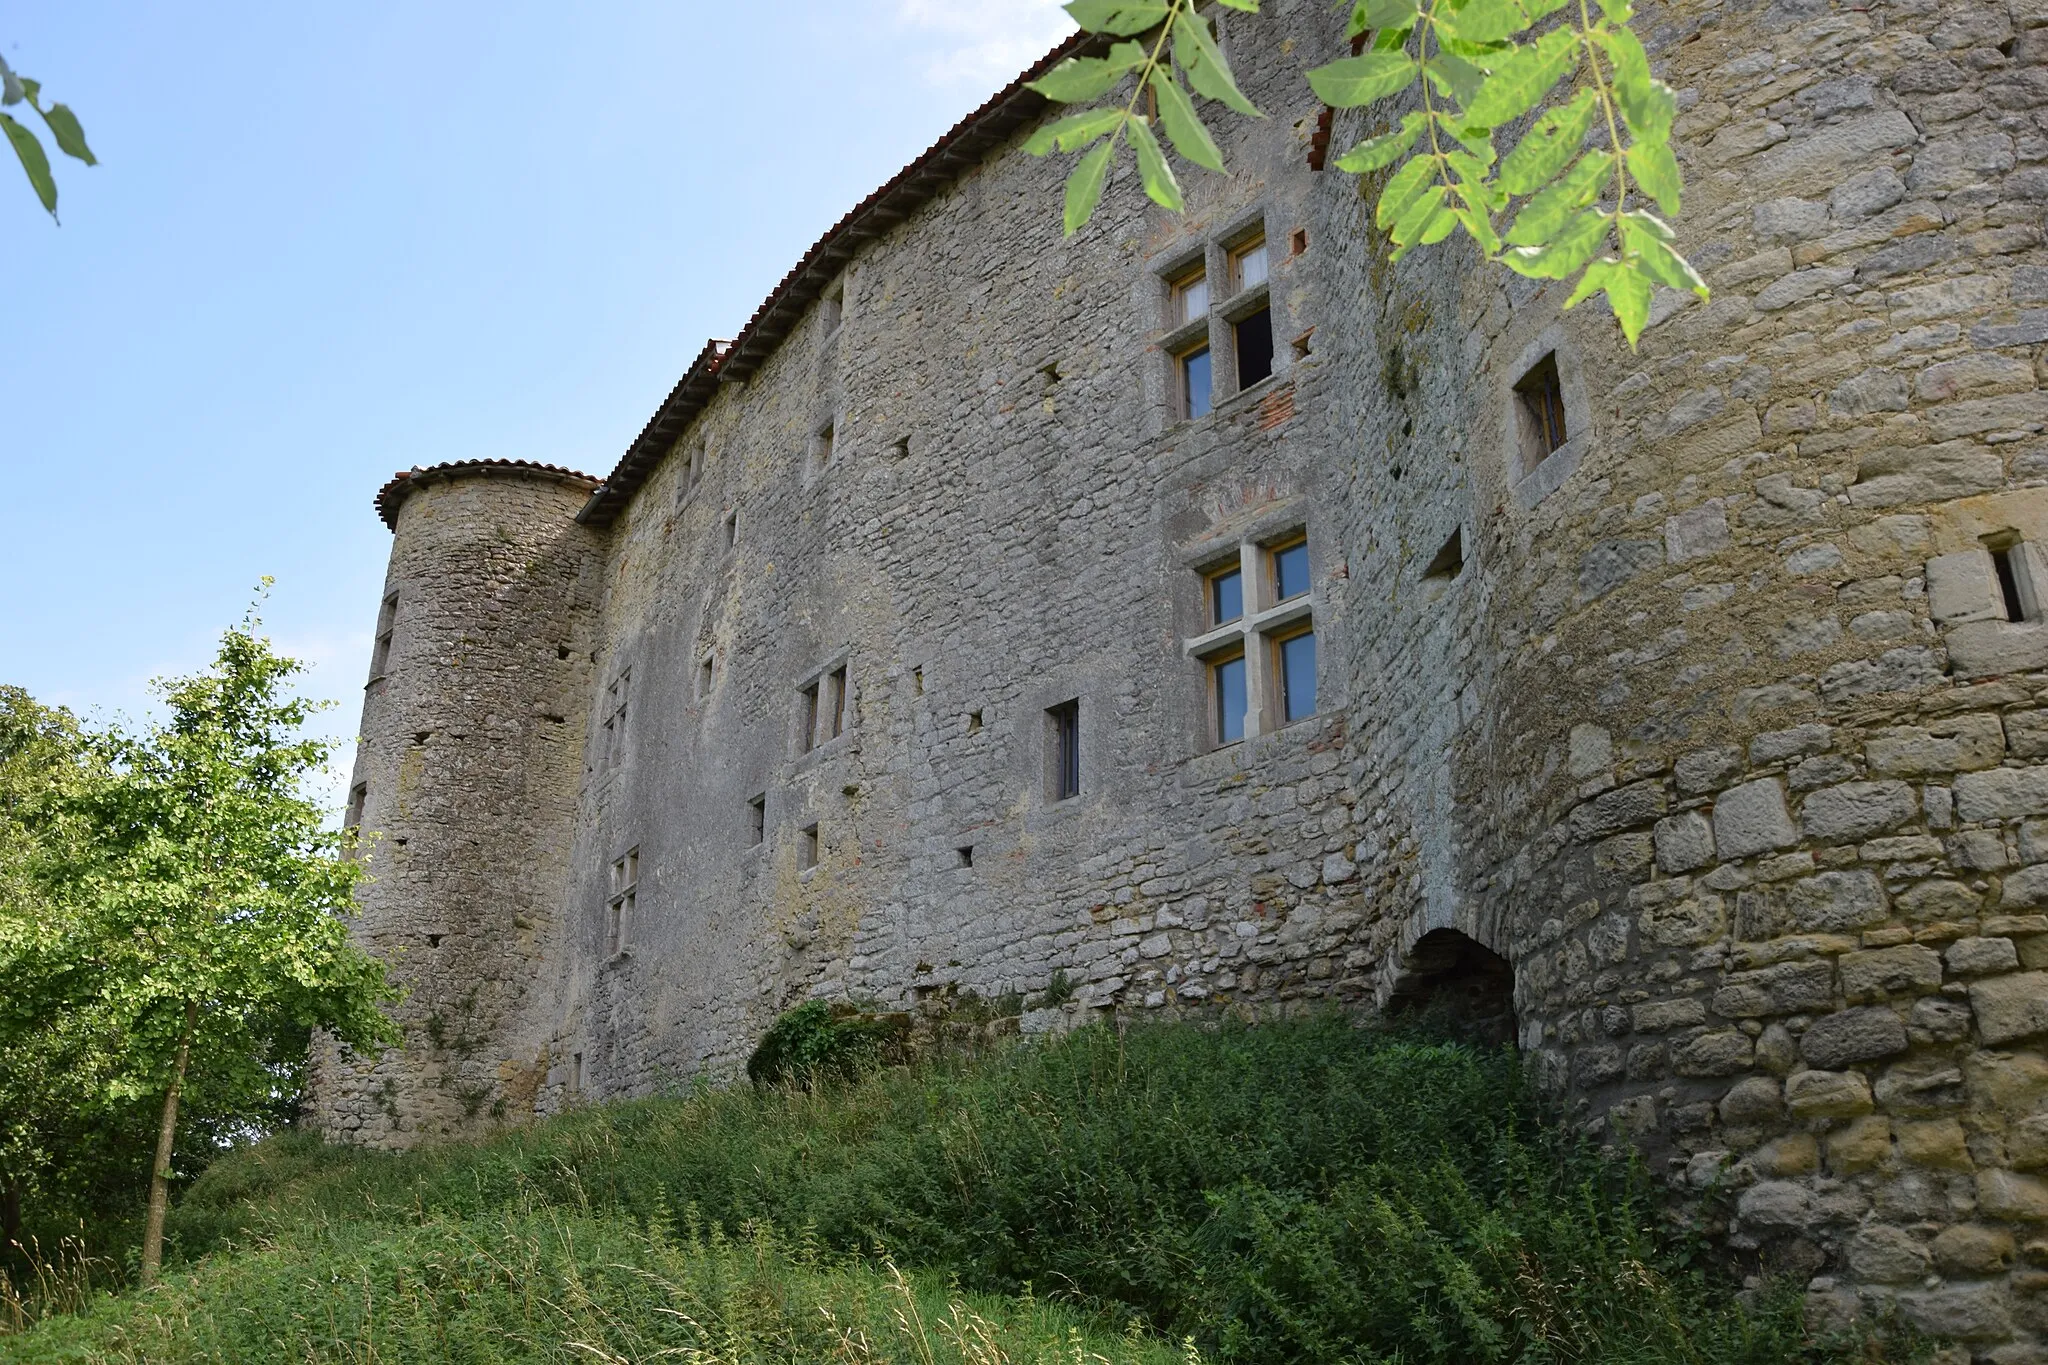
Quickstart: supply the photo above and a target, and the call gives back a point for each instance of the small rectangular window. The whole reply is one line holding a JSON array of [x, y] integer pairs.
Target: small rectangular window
[[358, 797], [697, 462], [807, 848], [1248, 264], [387, 628], [1194, 382], [732, 529], [706, 670], [822, 448], [1190, 296], [1540, 396], [832, 308], [1254, 348], [616, 697], [625, 893], [1450, 559], [688, 478], [757, 820], [1226, 684], [965, 853], [575, 1073], [2015, 585], [1290, 571], [1065, 727], [1296, 656]]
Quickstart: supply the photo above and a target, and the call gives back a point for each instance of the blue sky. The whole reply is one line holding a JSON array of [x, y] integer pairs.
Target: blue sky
[[331, 241]]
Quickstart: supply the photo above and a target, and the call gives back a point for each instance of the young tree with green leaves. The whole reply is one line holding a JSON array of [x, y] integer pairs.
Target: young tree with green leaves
[[1572, 197], [205, 930], [28, 148]]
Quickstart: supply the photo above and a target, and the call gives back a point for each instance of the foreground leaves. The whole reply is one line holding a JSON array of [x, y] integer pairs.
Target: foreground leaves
[[1572, 197], [28, 148]]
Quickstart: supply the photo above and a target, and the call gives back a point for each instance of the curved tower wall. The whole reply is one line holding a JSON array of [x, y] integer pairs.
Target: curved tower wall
[[467, 776], [1725, 739]]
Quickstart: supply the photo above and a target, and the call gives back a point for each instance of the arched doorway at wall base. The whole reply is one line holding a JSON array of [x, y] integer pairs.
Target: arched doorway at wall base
[[1461, 984]]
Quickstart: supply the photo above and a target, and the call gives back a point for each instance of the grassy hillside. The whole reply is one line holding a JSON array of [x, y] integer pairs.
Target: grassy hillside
[[1304, 1191]]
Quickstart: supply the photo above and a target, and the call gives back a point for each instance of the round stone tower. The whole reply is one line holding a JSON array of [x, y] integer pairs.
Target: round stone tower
[[466, 787], [1747, 710]]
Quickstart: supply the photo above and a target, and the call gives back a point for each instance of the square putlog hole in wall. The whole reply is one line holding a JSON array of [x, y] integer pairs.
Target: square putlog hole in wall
[[974, 722], [965, 855]]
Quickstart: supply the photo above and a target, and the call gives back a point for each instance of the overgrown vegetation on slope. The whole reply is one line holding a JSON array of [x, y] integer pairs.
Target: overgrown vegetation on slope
[[1299, 1191]]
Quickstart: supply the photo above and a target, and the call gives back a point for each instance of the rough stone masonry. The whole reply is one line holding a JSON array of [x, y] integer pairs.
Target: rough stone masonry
[[946, 632]]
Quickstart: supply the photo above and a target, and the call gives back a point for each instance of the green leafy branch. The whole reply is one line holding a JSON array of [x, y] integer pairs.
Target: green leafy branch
[[1577, 183], [1184, 50], [28, 149]]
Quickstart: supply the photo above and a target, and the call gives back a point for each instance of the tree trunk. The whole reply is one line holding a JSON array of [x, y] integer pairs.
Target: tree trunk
[[160, 1173]]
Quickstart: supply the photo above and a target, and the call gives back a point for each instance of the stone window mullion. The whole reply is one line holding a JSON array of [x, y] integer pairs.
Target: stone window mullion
[[1258, 694]]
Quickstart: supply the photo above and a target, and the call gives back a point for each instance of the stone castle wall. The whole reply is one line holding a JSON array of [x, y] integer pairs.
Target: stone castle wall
[[1720, 734]]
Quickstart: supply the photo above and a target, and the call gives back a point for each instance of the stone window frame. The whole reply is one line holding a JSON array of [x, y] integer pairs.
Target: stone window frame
[[757, 820], [1968, 604], [387, 632], [826, 449], [1531, 484], [622, 899], [810, 732], [1263, 624], [810, 849], [1217, 328], [729, 533], [358, 799], [707, 674]]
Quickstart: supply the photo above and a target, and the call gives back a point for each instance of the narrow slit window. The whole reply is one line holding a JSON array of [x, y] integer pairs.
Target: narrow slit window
[[1065, 727], [732, 529], [1254, 336], [835, 721], [832, 308], [1194, 382], [575, 1073], [1296, 659], [706, 672], [1290, 571], [696, 469], [757, 820], [2005, 563], [1227, 689], [1540, 396], [358, 797], [822, 447], [807, 719], [807, 848], [1226, 596]]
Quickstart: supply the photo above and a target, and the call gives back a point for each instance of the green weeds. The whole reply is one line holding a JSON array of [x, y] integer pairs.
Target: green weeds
[[1304, 1191]]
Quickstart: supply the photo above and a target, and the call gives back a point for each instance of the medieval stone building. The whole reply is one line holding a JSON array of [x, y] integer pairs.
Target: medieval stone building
[[1209, 616]]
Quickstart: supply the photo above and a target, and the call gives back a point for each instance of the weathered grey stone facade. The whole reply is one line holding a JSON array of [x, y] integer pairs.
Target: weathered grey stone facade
[[1722, 733]]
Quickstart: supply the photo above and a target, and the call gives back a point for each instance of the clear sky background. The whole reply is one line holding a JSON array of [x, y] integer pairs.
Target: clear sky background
[[329, 241]]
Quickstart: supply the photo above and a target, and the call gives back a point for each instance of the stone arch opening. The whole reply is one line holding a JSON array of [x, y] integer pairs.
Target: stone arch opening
[[1464, 986]]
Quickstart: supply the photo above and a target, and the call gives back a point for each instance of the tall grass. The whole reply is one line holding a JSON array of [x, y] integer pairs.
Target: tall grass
[[1298, 1191]]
